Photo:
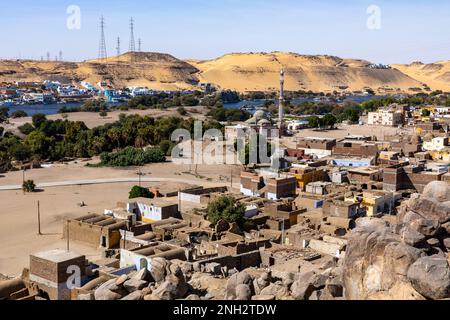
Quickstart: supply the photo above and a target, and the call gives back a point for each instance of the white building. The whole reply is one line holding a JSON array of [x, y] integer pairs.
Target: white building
[[437, 144], [151, 210], [386, 118], [139, 91]]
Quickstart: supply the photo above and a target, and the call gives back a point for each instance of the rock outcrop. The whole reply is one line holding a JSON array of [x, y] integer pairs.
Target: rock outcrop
[[404, 261]]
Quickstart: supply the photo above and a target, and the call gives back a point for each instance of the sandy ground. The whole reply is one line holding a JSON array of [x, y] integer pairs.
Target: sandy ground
[[93, 119], [18, 212], [345, 130]]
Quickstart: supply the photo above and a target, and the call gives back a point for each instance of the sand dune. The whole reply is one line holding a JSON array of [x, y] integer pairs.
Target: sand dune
[[258, 71], [237, 71], [436, 75]]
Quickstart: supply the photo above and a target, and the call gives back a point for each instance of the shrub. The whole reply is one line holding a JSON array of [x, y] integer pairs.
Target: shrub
[[182, 111], [29, 186], [19, 114], [140, 192]]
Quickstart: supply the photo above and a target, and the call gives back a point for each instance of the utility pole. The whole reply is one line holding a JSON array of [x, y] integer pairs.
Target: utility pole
[[23, 177], [231, 178], [179, 200], [67, 234], [39, 219]]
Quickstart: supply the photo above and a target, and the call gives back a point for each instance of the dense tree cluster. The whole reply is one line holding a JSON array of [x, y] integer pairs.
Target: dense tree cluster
[[223, 114], [131, 156], [164, 100], [55, 140]]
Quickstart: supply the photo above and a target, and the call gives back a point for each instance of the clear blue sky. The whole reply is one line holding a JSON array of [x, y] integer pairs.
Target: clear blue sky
[[410, 30]]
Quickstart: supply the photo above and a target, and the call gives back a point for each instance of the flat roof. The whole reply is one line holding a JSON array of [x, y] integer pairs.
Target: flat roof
[[57, 255], [365, 170], [159, 202], [317, 138]]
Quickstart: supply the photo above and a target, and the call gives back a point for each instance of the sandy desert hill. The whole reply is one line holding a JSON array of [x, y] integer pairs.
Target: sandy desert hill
[[258, 71], [155, 70], [238, 71], [436, 75]]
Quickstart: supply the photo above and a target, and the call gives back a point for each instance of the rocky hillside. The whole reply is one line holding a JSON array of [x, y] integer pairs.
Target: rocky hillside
[[155, 70], [436, 75], [240, 71]]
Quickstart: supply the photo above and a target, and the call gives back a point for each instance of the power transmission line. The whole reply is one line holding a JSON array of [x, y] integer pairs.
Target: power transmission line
[[118, 46], [132, 42], [102, 54]]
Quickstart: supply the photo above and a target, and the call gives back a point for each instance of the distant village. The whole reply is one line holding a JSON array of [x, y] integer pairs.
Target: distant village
[[51, 92]]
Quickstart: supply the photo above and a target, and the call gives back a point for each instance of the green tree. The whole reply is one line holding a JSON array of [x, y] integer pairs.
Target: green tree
[[140, 192], [226, 208], [314, 122], [3, 114], [166, 147], [39, 144], [29, 186], [20, 152], [38, 119], [426, 113], [115, 135], [329, 120], [26, 129]]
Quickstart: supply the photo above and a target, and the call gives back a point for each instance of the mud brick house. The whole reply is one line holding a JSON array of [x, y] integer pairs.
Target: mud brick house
[[340, 209], [306, 175], [353, 148], [316, 143], [100, 230], [365, 175], [283, 210], [320, 147], [251, 184], [51, 270], [401, 177], [278, 188]]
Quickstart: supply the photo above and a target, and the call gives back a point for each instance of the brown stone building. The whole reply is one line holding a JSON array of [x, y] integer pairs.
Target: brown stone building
[[281, 188], [51, 271], [100, 230], [353, 148], [316, 143], [413, 177]]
